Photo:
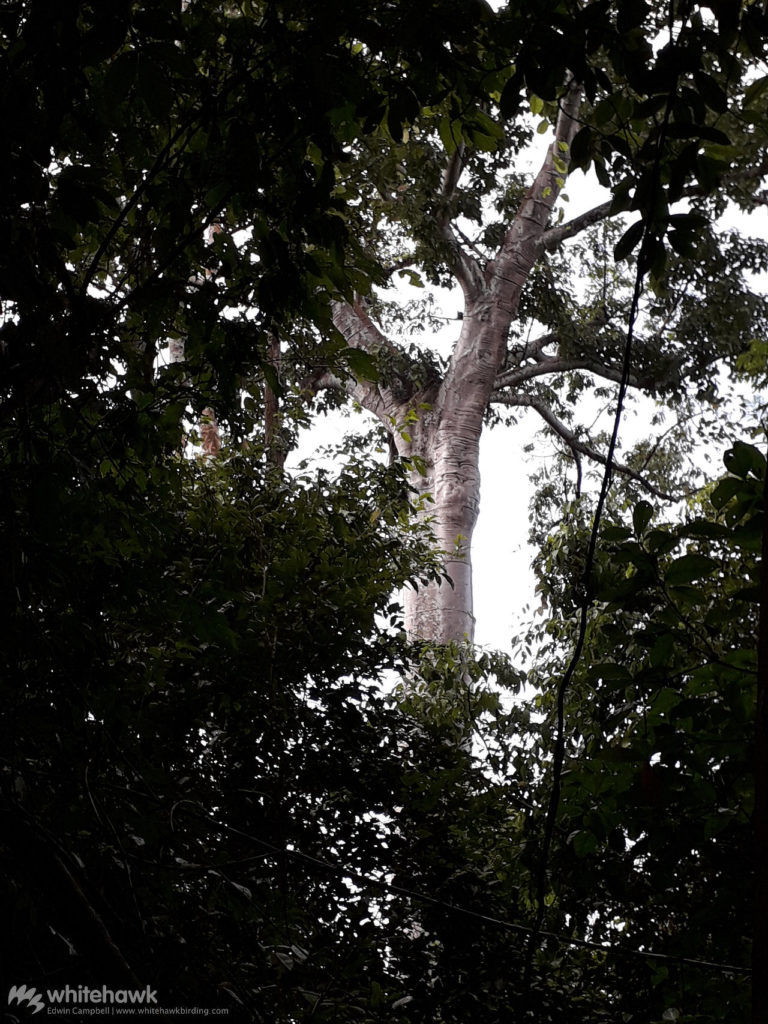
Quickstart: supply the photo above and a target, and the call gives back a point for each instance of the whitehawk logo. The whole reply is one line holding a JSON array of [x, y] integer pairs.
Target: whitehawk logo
[[22, 994]]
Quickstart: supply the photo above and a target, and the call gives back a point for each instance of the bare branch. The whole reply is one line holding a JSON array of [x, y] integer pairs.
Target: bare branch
[[276, 452], [578, 447], [555, 364], [472, 245], [464, 266], [551, 239]]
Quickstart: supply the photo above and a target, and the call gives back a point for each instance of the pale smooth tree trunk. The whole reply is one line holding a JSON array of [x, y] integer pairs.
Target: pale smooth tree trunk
[[439, 427]]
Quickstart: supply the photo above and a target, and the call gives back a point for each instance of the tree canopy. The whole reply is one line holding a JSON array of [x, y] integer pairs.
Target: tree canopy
[[232, 766]]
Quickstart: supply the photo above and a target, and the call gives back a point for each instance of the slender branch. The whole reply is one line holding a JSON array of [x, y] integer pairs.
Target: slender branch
[[578, 446], [472, 245], [450, 180], [41, 848], [760, 817], [131, 203], [95, 918], [551, 239], [464, 266], [554, 237]]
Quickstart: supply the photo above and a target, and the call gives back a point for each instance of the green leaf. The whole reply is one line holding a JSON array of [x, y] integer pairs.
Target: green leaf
[[616, 533], [272, 379], [609, 672], [628, 241], [154, 88], [688, 568], [662, 650], [449, 135], [711, 92], [641, 516], [756, 93], [560, 165], [745, 459], [511, 98], [120, 76], [661, 542], [584, 843], [725, 490], [362, 364]]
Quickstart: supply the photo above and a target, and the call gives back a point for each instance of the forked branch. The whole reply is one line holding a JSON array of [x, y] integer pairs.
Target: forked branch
[[578, 447]]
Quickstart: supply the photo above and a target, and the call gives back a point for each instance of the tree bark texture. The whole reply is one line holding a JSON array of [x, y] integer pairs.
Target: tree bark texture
[[439, 426]]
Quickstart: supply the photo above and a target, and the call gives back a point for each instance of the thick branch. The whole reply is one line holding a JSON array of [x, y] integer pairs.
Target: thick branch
[[272, 442], [359, 331], [480, 350], [535, 349], [578, 446], [555, 364], [357, 328], [551, 239], [365, 392], [520, 248]]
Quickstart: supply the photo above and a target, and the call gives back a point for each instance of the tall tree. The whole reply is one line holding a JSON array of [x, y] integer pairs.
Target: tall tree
[[662, 105], [131, 131]]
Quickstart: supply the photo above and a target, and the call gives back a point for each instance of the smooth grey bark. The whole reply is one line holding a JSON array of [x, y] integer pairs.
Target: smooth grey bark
[[439, 427]]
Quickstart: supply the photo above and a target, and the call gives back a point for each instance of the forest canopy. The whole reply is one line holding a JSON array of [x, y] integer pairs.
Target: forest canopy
[[233, 766]]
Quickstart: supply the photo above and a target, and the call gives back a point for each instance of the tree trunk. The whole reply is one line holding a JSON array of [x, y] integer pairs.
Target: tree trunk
[[439, 428], [447, 495]]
